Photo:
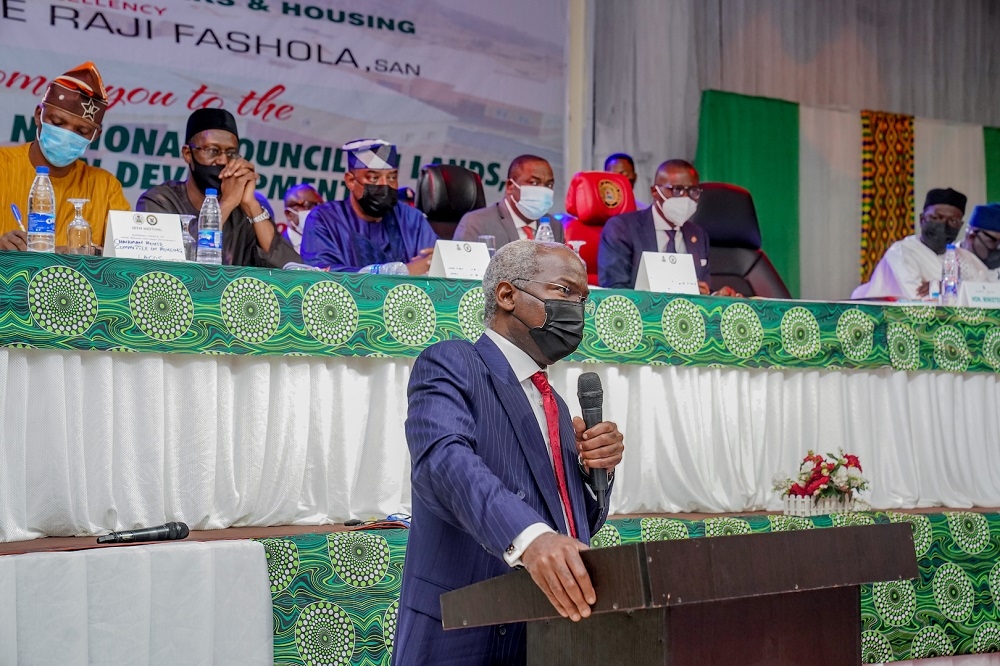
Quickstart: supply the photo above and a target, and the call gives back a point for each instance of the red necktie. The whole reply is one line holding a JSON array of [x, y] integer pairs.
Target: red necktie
[[530, 234], [551, 408]]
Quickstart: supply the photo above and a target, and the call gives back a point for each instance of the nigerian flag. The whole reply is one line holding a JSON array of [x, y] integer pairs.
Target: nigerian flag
[[834, 188]]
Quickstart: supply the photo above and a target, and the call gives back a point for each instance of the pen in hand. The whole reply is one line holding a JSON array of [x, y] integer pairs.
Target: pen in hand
[[17, 216]]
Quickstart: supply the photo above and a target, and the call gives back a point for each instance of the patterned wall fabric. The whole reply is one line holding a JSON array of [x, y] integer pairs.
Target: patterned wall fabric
[[336, 596], [887, 158], [66, 302]]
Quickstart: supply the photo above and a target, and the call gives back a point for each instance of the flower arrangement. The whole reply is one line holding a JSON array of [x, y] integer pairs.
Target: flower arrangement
[[836, 477]]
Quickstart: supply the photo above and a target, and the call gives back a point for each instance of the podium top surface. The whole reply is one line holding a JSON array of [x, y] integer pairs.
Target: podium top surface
[[661, 574]]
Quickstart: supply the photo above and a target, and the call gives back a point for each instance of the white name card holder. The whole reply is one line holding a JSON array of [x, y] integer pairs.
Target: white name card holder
[[979, 295], [667, 273], [459, 260], [135, 235]]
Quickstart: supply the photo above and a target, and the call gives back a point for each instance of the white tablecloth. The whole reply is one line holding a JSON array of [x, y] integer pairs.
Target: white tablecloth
[[99, 441], [177, 603]]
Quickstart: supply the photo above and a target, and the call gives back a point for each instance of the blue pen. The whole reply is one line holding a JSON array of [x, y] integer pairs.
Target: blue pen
[[17, 216]]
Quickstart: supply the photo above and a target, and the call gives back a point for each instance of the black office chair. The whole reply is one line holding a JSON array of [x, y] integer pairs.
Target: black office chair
[[446, 192], [727, 214]]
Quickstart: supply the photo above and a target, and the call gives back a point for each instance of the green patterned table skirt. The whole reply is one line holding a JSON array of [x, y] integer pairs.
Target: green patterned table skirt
[[336, 596], [65, 302]]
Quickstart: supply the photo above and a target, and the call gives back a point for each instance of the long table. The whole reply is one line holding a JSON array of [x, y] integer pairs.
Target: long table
[[132, 393]]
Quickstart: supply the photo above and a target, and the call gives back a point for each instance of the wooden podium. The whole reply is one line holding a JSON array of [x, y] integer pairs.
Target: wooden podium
[[774, 598]]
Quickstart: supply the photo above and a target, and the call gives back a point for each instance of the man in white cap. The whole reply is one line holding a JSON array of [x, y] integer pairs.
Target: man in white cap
[[371, 228]]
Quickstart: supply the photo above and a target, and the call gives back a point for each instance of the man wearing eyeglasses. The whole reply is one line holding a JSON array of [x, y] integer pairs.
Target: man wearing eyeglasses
[[299, 201], [910, 265], [211, 151], [983, 240], [67, 120], [665, 226]]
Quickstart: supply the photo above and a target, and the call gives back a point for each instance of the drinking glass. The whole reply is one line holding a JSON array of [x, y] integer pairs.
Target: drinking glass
[[576, 245], [190, 244], [78, 235], [491, 243]]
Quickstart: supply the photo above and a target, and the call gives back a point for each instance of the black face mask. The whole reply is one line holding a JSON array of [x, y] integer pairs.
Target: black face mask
[[936, 236], [562, 331], [206, 176], [378, 200], [989, 257]]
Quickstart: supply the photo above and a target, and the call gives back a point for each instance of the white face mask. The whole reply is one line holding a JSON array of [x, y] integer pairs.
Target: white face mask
[[535, 201], [300, 224], [677, 210]]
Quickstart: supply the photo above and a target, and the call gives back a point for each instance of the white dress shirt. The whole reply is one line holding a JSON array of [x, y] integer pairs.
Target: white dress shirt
[[521, 224], [907, 263], [524, 367], [662, 225]]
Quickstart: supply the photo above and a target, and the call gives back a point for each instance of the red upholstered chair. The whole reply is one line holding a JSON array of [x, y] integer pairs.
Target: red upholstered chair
[[592, 198]]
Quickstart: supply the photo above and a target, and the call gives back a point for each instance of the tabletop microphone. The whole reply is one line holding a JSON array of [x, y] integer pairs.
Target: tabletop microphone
[[167, 532], [591, 396]]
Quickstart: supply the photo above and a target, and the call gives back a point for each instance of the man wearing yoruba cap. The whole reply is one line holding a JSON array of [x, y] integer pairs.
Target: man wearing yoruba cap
[[910, 265], [67, 120], [371, 227], [211, 151], [983, 240]]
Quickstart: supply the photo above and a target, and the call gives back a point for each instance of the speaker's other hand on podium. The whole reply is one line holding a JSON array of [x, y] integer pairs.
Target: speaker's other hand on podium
[[553, 560]]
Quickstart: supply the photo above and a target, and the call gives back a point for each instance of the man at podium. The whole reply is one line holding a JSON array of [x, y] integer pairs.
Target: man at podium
[[501, 473]]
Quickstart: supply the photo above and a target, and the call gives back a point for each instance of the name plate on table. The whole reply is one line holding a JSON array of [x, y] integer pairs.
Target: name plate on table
[[667, 273], [135, 235], [459, 260], [979, 295]]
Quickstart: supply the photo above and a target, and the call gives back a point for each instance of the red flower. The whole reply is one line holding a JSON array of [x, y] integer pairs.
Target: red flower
[[852, 461], [796, 490], [815, 484]]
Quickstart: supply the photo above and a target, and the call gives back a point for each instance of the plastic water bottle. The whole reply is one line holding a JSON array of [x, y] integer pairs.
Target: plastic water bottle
[[42, 213], [210, 230], [544, 233], [951, 276], [391, 268]]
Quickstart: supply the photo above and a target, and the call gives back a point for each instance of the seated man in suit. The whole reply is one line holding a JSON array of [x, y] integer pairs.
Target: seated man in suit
[[483, 428], [528, 199], [663, 227]]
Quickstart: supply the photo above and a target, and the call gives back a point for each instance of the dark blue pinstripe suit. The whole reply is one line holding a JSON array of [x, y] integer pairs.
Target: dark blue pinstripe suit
[[481, 474]]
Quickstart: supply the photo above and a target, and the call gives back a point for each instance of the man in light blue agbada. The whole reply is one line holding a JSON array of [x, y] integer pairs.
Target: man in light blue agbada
[[371, 227]]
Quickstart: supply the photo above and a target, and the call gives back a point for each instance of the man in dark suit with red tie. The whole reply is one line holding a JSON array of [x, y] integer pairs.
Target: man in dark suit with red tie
[[501, 472], [663, 227]]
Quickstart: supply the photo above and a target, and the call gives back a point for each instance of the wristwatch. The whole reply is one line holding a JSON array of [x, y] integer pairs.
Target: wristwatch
[[264, 215]]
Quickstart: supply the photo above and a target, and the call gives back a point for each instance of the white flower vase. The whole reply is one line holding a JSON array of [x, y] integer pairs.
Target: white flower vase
[[807, 506]]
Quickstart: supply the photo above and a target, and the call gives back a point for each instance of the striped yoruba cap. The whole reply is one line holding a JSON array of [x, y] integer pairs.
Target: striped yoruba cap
[[371, 154]]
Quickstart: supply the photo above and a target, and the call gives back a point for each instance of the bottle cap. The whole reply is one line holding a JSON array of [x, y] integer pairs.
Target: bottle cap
[[41, 170], [951, 246], [210, 192]]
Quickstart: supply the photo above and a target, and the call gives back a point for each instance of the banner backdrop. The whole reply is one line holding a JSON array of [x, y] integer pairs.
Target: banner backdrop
[[470, 83]]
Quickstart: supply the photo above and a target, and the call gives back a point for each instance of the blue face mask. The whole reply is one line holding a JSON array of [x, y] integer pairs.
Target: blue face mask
[[61, 147]]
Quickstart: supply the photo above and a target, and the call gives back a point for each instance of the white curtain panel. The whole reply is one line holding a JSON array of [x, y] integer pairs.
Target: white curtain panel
[[136, 440], [829, 202], [948, 155], [178, 603], [931, 59]]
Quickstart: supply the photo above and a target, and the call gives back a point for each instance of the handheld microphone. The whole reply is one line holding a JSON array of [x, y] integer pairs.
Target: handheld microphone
[[591, 396], [167, 532]]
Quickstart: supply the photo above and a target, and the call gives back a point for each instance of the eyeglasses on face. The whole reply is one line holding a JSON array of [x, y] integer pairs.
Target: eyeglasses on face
[[953, 222], [212, 153], [694, 191], [566, 291]]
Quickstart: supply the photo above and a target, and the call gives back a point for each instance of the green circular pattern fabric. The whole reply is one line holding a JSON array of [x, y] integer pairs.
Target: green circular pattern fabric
[[606, 536], [875, 648], [931, 642], [250, 310], [282, 562], [950, 351], [618, 323], [856, 333], [953, 592], [161, 306], [663, 529], [62, 301], [409, 315], [683, 326], [895, 602], [800, 333], [970, 530], [742, 332], [330, 313], [904, 348], [921, 529], [471, 314], [360, 558], [726, 526], [324, 635]]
